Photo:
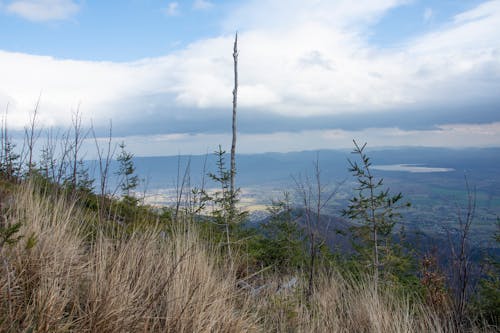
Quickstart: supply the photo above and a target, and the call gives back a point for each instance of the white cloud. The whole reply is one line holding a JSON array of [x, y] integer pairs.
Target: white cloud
[[484, 10], [43, 10], [312, 58], [428, 14], [202, 4], [339, 14], [172, 9], [63, 84]]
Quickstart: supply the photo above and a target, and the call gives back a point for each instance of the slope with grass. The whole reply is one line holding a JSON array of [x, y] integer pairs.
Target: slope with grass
[[62, 276]]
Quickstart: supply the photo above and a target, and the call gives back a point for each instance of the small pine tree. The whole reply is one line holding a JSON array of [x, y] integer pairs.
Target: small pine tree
[[126, 171], [283, 244], [11, 165], [225, 212], [47, 164], [376, 211], [84, 182], [8, 233]]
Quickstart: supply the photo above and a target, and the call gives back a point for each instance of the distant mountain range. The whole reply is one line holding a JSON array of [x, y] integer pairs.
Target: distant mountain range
[[258, 169]]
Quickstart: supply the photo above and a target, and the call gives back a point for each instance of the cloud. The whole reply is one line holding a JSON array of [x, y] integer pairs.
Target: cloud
[[482, 11], [202, 4], [43, 10], [309, 68], [172, 9], [428, 14], [339, 14], [450, 136]]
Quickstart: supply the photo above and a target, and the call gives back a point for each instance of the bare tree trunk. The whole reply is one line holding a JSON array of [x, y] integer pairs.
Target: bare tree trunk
[[312, 192], [48, 162], [105, 157], [180, 187], [3, 157], [304, 189], [65, 149], [8, 155], [462, 280], [373, 220], [78, 139], [376, 264], [30, 135], [233, 145]]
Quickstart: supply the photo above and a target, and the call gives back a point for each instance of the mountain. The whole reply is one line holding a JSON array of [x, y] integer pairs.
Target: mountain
[[257, 169]]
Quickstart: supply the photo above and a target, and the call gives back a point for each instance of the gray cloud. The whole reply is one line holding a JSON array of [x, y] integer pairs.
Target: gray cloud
[[167, 118], [315, 58]]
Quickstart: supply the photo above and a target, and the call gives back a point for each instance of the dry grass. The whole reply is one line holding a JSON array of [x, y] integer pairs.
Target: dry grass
[[340, 305], [141, 283], [145, 283]]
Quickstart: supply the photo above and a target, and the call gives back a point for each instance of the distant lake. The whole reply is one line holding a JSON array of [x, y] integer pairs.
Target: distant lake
[[414, 168]]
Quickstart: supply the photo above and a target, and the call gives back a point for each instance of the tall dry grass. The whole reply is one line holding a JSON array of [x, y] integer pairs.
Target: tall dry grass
[[63, 282], [348, 305], [138, 283]]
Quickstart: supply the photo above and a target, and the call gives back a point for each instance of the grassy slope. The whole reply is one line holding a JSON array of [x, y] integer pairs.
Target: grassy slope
[[145, 282]]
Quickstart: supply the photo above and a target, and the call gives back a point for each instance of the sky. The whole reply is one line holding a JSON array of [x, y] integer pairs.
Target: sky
[[313, 74]]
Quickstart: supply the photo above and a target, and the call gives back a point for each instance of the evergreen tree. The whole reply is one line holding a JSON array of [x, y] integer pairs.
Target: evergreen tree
[[376, 212], [283, 244], [225, 212], [126, 171], [84, 181], [11, 165]]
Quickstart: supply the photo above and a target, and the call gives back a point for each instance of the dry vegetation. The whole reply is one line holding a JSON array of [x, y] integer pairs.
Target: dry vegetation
[[139, 283], [58, 279]]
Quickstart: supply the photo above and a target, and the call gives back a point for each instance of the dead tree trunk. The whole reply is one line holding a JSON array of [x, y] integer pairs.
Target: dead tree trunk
[[233, 145], [31, 136]]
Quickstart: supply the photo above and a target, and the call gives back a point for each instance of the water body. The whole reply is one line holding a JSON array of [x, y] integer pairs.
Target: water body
[[413, 168]]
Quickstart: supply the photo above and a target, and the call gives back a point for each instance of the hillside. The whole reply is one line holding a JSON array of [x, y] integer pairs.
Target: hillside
[[76, 258], [167, 278]]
